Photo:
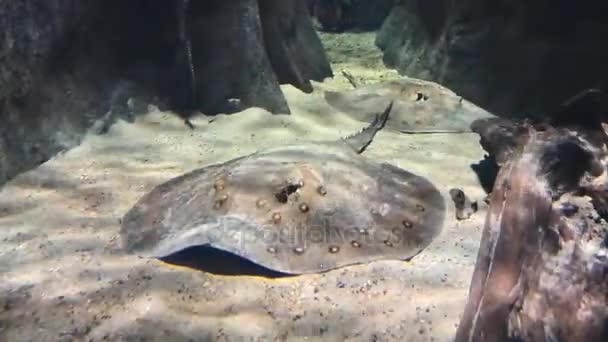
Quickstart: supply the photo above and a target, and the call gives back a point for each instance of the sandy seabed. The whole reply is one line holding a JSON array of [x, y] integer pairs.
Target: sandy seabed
[[63, 276]]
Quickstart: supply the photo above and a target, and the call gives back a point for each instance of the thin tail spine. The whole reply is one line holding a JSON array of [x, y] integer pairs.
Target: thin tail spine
[[360, 140]]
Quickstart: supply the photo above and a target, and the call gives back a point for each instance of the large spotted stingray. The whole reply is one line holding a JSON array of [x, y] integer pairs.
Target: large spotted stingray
[[293, 209]]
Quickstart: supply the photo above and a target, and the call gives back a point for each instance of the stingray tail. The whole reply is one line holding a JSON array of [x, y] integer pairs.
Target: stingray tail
[[360, 140]]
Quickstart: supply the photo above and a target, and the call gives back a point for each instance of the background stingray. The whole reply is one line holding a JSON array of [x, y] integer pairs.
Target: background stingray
[[418, 105], [293, 209]]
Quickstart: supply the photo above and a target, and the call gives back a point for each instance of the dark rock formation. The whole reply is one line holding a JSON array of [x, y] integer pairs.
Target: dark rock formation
[[340, 15], [46, 92], [295, 52], [229, 58], [513, 58], [542, 267], [65, 64]]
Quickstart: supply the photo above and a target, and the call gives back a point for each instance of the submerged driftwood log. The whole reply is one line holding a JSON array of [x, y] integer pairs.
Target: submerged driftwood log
[[542, 267]]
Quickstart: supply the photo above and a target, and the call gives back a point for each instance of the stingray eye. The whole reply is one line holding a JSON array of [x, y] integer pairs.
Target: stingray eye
[[355, 244], [420, 207], [407, 224], [334, 249], [298, 250]]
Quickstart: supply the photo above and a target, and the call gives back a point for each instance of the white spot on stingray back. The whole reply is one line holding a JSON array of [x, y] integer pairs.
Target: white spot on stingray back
[[384, 209]]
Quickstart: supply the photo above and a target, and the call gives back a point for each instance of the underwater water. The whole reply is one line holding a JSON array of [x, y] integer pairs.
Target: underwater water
[[61, 221], [235, 171]]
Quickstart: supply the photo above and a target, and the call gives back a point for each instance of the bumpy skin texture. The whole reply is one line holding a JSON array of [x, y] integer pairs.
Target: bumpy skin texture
[[296, 209]]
